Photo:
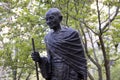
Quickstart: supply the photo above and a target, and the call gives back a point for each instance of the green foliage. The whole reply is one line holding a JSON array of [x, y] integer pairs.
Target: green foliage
[[15, 53], [111, 3], [115, 71]]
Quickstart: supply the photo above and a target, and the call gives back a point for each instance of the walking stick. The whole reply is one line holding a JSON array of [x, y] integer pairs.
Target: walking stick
[[33, 47]]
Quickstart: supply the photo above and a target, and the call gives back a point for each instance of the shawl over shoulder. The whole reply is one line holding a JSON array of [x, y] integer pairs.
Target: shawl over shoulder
[[66, 43]]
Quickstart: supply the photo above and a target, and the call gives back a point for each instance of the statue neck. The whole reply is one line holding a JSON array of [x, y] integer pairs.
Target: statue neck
[[58, 28]]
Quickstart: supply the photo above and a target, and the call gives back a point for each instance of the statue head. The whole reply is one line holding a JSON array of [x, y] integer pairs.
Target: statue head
[[53, 18]]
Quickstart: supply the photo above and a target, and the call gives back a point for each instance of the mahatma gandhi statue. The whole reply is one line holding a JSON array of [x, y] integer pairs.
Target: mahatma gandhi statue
[[65, 55]]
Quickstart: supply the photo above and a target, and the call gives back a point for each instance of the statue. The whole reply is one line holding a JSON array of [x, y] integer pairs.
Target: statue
[[65, 55]]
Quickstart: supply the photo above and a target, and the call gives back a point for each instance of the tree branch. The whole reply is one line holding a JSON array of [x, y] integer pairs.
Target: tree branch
[[99, 20], [111, 18]]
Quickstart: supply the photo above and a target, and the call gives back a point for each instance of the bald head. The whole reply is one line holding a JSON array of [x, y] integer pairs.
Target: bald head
[[53, 18], [54, 11]]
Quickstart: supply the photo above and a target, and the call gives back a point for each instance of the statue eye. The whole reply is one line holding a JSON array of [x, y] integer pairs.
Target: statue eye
[[51, 17]]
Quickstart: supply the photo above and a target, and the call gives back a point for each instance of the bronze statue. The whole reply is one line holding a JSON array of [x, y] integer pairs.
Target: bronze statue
[[66, 59]]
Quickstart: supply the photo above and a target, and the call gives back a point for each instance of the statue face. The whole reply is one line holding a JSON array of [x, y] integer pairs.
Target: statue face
[[52, 20]]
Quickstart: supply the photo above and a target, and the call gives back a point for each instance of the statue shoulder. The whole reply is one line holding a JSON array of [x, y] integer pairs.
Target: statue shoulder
[[71, 30]]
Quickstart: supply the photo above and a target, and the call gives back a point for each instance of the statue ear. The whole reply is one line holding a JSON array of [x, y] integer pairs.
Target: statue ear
[[60, 17]]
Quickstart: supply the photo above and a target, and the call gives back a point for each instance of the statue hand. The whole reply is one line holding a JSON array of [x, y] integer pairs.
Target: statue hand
[[36, 57]]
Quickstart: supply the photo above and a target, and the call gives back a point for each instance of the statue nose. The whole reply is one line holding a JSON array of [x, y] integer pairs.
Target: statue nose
[[48, 22]]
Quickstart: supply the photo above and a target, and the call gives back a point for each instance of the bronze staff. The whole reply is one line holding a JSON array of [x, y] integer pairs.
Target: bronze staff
[[33, 47]]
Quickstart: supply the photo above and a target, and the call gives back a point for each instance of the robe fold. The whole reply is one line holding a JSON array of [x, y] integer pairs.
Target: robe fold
[[67, 44]]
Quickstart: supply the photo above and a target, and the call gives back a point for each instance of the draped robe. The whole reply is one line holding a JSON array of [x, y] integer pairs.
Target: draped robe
[[66, 43]]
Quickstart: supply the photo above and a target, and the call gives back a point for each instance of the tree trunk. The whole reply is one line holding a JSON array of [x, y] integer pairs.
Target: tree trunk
[[14, 71], [106, 58]]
